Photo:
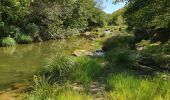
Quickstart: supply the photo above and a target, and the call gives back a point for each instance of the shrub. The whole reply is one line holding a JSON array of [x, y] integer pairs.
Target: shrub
[[8, 42], [32, 29], [58, 66], [87, 69], [24, 39], [7, 31], [126, 42]]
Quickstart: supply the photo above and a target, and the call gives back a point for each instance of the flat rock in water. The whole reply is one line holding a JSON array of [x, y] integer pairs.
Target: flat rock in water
[[78, 53]]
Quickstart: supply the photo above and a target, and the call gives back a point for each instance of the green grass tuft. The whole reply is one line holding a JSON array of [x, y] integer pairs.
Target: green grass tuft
[[87, 69], [59, 66], [8, 42], [24, 39], [45, 90]]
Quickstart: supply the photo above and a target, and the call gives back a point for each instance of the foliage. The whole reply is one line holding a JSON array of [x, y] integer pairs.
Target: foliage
[[148, 13], [126, 42], [32, 29], [44, 89], [121, 58], [53, 19], [8, 42], [126, 86], [117, 17], [23, 39], [59, 67], [147, 18], [86, 70], [14, 12], [152, 11]]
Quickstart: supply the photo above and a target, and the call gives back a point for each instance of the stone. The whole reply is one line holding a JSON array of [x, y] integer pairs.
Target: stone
[[78, 53]]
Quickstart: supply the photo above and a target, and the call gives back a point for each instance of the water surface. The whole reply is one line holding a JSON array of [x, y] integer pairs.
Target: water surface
[[19, 63]]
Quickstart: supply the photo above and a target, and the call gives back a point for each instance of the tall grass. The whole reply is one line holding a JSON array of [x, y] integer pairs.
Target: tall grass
[[8, 42], [62, 67], [121, 59], [44, 90], [59, 66], [87, 69], [69, 94], [124, 86]]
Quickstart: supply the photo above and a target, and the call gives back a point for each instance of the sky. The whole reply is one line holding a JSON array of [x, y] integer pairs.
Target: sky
[[109, 7]]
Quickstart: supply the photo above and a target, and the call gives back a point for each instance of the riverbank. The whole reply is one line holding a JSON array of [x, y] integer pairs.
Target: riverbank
[[30, 54], [117, 74]]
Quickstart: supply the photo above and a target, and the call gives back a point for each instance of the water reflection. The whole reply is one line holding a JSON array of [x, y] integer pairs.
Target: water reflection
[[21, 62], [9, 50]]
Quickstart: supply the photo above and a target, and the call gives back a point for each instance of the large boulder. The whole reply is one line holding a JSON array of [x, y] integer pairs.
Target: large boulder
[[155, 35], [143, 34], [161, 34]]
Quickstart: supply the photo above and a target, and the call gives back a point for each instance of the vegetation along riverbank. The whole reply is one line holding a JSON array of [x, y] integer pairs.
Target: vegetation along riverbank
[[73, 50]]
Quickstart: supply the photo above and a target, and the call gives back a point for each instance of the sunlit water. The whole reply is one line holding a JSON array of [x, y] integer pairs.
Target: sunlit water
[[21, 62]]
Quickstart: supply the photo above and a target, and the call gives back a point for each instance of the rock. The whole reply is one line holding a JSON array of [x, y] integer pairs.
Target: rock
[[100, 50], [99, 53], [148, 61], [78, 53], [144, 34], [165, 66], [86, 34], [140, 48], [89, 35], [161, 34]]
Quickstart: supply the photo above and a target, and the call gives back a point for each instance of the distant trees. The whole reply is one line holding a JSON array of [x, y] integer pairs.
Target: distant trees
[[117, 17], [152, 16], [46, 19], [147, 13]]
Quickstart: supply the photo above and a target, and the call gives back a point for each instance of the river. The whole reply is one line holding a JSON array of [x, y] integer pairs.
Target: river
[[21, 62]]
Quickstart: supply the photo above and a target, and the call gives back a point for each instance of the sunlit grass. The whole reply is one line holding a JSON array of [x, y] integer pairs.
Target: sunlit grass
[[87, 69], [125, 86], [58, 66], [8, 42], [45, 89]]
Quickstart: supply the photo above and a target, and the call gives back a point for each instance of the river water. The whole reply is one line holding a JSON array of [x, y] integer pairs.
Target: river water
[[21, 62]]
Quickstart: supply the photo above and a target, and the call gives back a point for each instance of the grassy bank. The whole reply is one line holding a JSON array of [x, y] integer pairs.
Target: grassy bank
[[65, 77]]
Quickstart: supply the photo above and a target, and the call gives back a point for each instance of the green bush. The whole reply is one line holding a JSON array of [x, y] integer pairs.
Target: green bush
[[59, 66], [87, 69], [32, 29], [7, 31], [24, 39], [8, 42]]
